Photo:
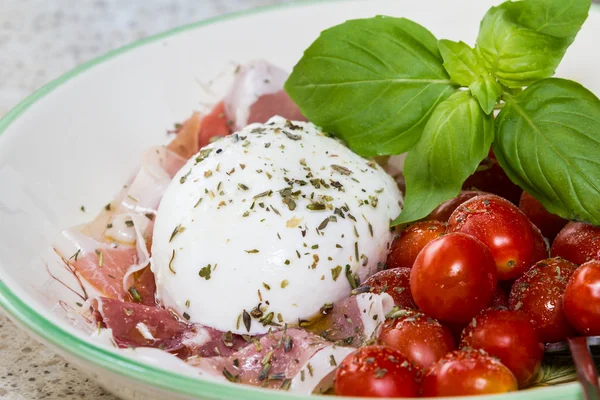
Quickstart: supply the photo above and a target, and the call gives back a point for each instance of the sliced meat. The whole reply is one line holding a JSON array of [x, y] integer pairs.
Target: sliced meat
[[269, 105], [186, 143], [101, 265], [214, 124], [257, 95], [354, 320], [198, 131], [143, 194], [137, 325], [270, 361], [209, 342], [142, 287]]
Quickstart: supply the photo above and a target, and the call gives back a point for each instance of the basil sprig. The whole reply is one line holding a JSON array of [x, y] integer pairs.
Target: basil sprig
[[387, 85], [374, 82]]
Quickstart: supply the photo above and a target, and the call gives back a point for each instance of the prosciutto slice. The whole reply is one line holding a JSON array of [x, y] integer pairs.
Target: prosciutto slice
[[137, 325], [257, 95], [198, 131], [280, 360], [355, 320], [101, 265]]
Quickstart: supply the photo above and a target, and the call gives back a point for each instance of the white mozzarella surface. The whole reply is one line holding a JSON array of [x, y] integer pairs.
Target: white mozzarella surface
[[225, 212]]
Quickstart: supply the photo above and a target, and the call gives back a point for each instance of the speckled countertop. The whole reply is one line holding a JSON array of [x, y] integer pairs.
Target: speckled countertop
[[40, 40]]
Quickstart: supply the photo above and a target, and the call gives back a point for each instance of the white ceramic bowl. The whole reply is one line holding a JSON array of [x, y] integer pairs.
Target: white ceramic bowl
[[76, 140]]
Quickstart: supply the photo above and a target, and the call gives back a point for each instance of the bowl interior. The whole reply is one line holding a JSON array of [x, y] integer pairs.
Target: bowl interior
[[75, 142]]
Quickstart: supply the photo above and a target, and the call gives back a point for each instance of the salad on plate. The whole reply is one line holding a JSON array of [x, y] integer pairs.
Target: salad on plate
[[278, 241]]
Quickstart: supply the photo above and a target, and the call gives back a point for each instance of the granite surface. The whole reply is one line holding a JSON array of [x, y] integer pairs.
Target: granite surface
[[39, 41]]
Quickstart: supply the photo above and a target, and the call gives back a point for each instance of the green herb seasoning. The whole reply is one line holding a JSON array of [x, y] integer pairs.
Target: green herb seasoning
[[342, 170], [178, 229], [171, 268], [135, 295], [205, 272], [184, 177], [100, 258], [335, 272]]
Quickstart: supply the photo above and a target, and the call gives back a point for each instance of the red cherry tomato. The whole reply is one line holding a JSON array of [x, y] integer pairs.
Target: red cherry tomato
[[502, 227], [453, 278], [407, 246], [376, 371], [577, 242], [444, 210], [467, 372], [581, 301], [491, 178], [421, 339], [500, 299], [549, 224], [394, 282], [539, 294], [510, 336]]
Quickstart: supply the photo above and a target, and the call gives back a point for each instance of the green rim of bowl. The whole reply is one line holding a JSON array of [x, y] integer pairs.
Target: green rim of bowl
[[144, 373]]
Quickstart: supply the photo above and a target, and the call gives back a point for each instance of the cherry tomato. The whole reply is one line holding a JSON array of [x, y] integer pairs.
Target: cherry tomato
[[491, 178], [407, 246], [500, 299], [444, 210], [510, 336], [502, 227], [394, 282], [539, 294], [453, 278], [549, 224], [581, 301], [421, 339], [467, 372], [577, 242], [376, 371]]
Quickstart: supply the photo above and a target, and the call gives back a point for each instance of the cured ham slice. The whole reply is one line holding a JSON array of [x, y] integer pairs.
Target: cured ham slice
[[186, 142], [269, 105], [137, 325], [280, 360], [355, 320], [145, 191], [199, 130], [115, 270], [289, 359], [257, 95], [101, 265]]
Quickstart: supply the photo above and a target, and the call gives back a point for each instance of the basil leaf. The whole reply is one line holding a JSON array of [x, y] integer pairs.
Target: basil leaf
[[558, 18], [373, 82], [461, 62], [455, 140], [523, 42], [466, 69], [547, 142], [487, 92]]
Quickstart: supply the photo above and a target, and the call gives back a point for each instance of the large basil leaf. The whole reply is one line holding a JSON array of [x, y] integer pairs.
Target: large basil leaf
[[455, 140], [560, 18], [524, 41], [548, 142], [373, 82]]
